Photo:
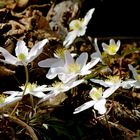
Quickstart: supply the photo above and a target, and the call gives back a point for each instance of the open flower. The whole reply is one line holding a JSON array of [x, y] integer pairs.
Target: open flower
[[78, 28], [58, 60], [60, 87], [8, 100], [135, 75], [34, 89], [72, 68], [98, 99], [113, 80], [23, 55], [112, 48]]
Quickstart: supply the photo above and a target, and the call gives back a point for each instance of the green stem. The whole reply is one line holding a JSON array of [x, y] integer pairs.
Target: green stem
[[26, 84], [27, 80]]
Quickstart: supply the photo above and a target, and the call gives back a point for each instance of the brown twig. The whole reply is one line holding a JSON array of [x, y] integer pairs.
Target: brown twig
[[24, 125], [127, 131]]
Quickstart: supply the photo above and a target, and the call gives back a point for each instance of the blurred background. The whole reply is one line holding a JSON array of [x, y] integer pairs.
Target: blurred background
[[114, 17]]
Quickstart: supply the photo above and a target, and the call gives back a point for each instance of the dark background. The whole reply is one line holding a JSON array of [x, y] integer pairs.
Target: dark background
[[113, 17]]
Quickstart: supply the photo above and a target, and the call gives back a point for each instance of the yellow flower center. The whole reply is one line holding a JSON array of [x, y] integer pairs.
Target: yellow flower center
[[112, 49], [2, 99], [31, 87], [21, 56], [74, 68], [60, 52], [113, 79], [58, 85], [77, 24], [96, 95]]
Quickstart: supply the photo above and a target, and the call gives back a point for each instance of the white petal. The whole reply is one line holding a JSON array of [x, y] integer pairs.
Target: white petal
[[84, 106], [38, 94], [72, 84], [21, 48], [47, 62], [10, 59], [97, 51], [111, 90], [100, 106], [10, 101], [66, 77], [104, 45], [92, 63], [59, 63], [128, 84], [69, 38], [94, 56], [133, 70], [88, 16], [137, 84], [68, 58], [101, 82], [36, 50], [112, 41], [118, 43], [51, 74], [82, 59], [86, 69]]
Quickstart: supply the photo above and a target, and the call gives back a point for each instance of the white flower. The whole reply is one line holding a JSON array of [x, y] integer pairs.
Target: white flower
[[57, 61], [9, 100], [135, 75], [112, 48], [34, 89], [23, 55], [72, 68], [78, 28], [113, 80], [98, 99], [60, 87]]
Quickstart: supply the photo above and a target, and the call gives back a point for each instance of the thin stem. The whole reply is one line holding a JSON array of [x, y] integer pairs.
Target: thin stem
[[108, 125], [27, 80], [32, 101], [26, 84]]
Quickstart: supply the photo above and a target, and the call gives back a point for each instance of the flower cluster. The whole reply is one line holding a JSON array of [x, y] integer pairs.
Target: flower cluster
[[70, 70]]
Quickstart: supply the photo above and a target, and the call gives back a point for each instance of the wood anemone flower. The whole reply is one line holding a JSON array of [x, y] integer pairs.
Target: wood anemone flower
[[23, 55]]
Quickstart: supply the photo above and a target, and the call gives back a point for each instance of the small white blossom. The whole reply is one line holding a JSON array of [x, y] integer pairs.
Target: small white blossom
[[135, 75], [78, 28], [113, 80], [60, 87], [72, 68], [98, 99], [58, 60], [34, 89], [112, 48], [23, 55]]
